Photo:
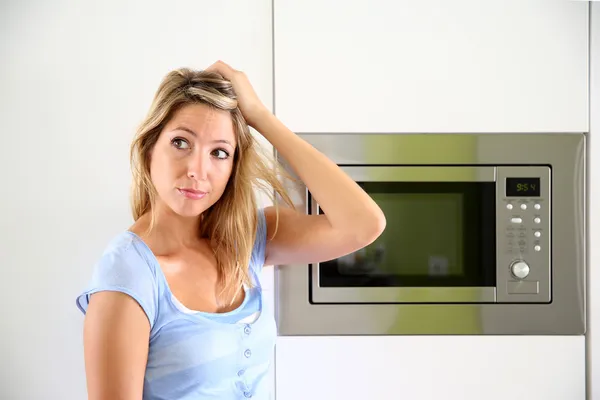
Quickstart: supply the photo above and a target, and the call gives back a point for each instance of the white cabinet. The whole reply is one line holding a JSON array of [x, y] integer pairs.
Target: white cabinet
[[593, 333], [431, 368], [432, 66]]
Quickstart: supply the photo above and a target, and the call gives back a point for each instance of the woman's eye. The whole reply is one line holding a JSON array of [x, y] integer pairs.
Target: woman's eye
[[221, 154], [180, 143]]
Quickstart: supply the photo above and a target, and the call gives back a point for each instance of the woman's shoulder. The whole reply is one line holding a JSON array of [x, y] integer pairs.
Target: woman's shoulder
[[126, 266], [127, 250], [257, 258]]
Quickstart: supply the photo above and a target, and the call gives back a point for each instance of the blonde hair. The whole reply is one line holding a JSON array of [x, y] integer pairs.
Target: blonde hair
[[231, 223]]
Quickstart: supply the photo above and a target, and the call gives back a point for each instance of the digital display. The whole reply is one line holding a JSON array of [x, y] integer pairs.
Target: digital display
[[523, 187]]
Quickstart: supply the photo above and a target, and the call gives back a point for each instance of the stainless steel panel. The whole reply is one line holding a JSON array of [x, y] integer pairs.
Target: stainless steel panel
[[523, 287], [420, 174], [563, 315], [399, 295], [516, 241]]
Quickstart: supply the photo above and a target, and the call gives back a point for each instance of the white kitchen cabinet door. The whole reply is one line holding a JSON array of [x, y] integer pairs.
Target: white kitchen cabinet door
[[432, 66], [431, 368]]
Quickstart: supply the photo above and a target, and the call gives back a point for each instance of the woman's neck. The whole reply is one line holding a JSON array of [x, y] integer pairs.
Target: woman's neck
[[170, 231]]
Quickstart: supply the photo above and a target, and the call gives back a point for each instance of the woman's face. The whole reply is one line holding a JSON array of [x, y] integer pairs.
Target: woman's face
[[192, 160]]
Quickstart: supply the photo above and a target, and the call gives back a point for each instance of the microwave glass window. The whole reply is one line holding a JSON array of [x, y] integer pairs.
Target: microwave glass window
[[437, 234]]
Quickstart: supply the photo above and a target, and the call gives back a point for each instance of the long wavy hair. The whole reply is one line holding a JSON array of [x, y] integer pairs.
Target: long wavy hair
[[231, 223]]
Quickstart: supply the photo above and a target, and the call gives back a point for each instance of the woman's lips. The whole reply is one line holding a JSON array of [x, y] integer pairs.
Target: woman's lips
[[192, 194]]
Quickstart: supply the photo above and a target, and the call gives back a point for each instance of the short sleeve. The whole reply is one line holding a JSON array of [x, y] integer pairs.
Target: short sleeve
[[260, 243], [124, 270]]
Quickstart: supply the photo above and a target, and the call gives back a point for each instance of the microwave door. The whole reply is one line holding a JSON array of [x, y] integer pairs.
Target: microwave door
[[439, 245]]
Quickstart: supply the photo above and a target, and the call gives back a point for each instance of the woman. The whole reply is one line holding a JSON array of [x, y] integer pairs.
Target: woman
[[173, 310]]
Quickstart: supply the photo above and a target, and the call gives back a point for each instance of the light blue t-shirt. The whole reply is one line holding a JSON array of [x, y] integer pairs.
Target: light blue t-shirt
[[192, 355]]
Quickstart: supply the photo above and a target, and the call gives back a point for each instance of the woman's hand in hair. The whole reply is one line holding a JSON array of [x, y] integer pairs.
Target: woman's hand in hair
[[248, 102]]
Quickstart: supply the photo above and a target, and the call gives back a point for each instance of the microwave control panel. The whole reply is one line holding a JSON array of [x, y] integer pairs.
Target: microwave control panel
[[523, 221]]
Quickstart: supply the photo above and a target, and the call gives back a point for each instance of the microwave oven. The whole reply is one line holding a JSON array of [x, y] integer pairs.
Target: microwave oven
[[485, 234]]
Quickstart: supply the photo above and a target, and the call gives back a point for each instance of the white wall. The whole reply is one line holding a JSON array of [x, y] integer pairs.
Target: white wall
[[75, 80]]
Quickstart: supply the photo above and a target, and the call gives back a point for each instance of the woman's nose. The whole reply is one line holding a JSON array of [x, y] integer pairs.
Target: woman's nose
[[198, 167]]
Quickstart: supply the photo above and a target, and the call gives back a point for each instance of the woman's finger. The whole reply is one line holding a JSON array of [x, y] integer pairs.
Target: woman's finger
[[225, 70]]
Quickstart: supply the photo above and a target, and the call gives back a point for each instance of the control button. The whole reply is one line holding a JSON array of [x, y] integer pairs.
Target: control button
[[537, 220], [537, 206], [509, 206], [537, 233], [516, 220], [519, 269], [247, 353], [241, 372], [247, 394], [247, 330], [537, 248], [523, 206]]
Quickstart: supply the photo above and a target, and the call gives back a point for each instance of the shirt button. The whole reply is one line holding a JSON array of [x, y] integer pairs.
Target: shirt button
[[247, 330], [248, 394], [247, 353], [240, 372]]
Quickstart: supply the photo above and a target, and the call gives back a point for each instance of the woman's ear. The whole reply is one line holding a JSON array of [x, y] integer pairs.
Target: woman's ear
[[150, 152]]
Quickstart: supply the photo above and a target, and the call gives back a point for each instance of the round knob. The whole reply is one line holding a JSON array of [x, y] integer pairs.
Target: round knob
[[520, 269]]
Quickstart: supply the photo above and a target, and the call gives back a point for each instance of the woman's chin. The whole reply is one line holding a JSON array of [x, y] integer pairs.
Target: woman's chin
[[190, 209], [189, 212]]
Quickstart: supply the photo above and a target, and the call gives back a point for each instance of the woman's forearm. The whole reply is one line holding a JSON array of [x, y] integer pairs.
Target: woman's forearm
[[347, 207]]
